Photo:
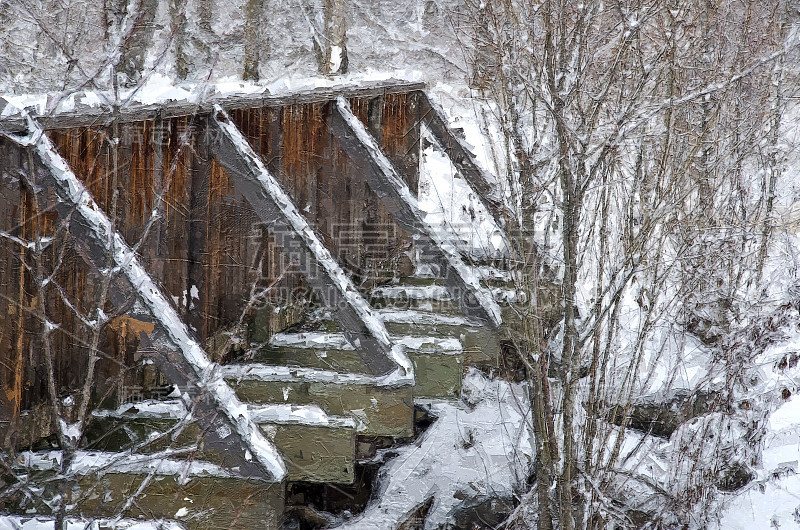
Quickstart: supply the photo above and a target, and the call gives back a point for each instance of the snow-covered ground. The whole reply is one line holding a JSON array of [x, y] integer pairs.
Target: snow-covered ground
[[450, 204], [772, 500], [478, 448]]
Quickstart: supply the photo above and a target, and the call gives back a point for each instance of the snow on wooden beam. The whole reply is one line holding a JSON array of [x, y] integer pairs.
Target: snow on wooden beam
[[361, 325], [200, 380], [462, 158], [387, 184], [85, 115]]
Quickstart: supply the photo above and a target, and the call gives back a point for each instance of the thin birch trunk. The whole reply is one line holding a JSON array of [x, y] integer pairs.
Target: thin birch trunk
[[335, 61], [254, 46]]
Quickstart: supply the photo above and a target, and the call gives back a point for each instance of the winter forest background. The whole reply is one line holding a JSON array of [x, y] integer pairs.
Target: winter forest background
[[645, 157]]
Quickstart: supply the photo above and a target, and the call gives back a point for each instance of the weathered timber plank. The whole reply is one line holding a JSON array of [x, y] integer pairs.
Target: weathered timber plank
[[316, 447], [443, 375], [381, 410], [479, 343], [84, 115], [318, 453], [438, 362], [182, 358], [168, 485], [218, 502], [383, 178], [293, 233]]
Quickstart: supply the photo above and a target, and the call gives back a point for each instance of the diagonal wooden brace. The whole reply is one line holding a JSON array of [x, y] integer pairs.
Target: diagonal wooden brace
[[387, 184], [361, 325], [231, 431]]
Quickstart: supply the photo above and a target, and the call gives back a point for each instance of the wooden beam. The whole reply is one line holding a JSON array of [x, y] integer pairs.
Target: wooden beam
[[361, 325], [231, 429], [364, 151], [83, 115]]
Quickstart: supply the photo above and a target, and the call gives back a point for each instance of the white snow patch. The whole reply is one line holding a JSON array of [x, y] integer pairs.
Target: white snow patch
[[174, 409], [291, 83], [71, 431], [160, 89], [409, 316], [40, 461], [288, 374], [286, 414], [787, 416], [413, 292], [475, 453], [233, 85], [337, 341], [450, 204], [334, 341], [772, 505], [431, 344], [88, 462], [18, 522], [336, 58]]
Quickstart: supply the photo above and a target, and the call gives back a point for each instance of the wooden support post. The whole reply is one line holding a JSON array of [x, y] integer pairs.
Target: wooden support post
[[231, 430], [364, 151], [361, 325]]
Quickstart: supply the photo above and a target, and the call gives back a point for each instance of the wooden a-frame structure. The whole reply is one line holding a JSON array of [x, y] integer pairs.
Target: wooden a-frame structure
[[172, 345]]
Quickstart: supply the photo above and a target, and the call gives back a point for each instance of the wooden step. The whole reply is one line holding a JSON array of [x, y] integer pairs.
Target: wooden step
[[422, 295], [438, 362], [431, 298], [420, 280], [40, 522], [319, 350], [378, 410], [315, 446], [173, 486], [479, 342]]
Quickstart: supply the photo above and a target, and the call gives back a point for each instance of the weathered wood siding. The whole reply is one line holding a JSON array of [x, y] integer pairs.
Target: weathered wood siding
[[208, 248], [298, 147]]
